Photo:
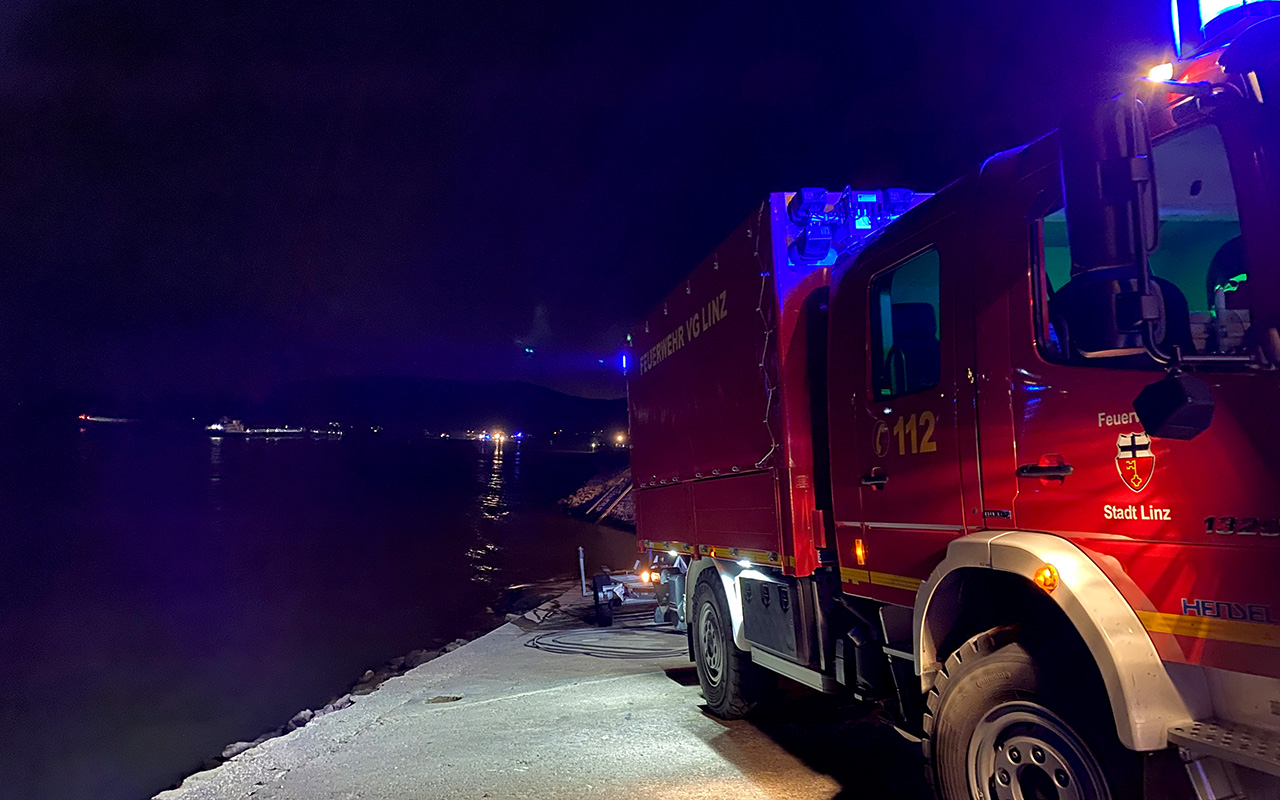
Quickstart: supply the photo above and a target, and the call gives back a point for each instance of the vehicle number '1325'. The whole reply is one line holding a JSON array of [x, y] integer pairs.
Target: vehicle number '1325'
[[1242, 526], [921, 438]]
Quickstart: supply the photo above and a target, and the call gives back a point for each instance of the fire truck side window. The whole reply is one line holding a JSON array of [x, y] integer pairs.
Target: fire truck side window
[[905, 353], [1198, 267]]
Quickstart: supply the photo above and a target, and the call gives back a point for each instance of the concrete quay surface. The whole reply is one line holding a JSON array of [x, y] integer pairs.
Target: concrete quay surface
[[561, 708]]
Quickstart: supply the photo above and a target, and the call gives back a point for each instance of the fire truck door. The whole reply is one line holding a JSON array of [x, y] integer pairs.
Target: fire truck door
[[905, 417]]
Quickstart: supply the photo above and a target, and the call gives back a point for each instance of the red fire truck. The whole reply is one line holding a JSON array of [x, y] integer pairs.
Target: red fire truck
[[1003, 458]]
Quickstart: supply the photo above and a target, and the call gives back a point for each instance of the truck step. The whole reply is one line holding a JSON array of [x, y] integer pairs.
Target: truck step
[[800, 674], [1232, 742]]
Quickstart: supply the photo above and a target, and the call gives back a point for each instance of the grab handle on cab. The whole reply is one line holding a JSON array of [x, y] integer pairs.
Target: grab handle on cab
[[876, 479], [1045, 470]]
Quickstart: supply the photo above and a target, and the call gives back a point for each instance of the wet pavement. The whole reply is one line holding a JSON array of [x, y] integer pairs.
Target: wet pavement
[[561, 708]]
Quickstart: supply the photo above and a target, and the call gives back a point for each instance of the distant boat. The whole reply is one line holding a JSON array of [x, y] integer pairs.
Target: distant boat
[[109, 420], [227, 426], [276, 432], [333, 431]]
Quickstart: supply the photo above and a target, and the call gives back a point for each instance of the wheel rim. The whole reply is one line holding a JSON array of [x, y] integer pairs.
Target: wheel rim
[[712, 644], [1023, 751]]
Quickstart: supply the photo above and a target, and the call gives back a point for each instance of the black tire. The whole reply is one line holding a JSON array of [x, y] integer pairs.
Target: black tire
[[1000, 719], [731, 684], [601, 585], [604, 611]]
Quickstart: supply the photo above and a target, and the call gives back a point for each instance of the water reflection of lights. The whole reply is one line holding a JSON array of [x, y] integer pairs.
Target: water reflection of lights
[[482, 552], [500, 462], [494, 505], [479, 556]]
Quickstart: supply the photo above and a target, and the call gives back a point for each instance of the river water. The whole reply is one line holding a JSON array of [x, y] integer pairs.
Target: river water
[[164, 596]]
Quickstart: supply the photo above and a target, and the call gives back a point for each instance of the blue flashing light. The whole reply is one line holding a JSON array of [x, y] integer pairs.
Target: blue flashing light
[[519, 435], [1177, 27], [819, 235], [624, 362], [1212, 9], [529, 350], [1196, 22]]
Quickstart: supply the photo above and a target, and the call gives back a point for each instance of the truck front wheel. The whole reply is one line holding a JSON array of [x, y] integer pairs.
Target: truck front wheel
[[1003, 724], [731, 684]]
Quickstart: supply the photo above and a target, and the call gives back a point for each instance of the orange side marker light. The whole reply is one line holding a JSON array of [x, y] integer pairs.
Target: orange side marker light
[[1046, 577]]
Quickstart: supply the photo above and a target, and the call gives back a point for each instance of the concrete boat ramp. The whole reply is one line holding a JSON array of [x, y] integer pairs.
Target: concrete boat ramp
[[551, 706]]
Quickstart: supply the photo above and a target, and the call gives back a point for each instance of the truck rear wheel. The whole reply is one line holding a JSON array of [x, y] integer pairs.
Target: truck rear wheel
[[731, 684], [1002, 725]]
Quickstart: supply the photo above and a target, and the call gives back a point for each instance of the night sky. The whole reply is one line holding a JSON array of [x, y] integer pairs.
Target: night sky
[[225, 197]]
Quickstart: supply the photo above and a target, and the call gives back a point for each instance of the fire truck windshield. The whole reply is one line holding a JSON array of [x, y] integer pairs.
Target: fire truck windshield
[[1199, 267]]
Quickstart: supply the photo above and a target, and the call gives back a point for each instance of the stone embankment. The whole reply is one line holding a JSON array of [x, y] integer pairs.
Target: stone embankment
[[606, 499]]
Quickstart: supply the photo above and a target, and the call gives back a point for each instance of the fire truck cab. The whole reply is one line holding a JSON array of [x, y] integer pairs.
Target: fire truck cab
[[1003, 458]]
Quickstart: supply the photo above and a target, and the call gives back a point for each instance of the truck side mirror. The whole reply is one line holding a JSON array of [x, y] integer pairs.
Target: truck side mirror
[[1112, 223], [1115, 306], [1108, 186]]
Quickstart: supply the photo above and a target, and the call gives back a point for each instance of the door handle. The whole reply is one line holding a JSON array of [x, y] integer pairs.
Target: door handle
[[875, 480], [1045, 470]]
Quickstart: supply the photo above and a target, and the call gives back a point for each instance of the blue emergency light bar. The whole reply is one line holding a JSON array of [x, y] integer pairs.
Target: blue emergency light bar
[[822, 229], [1197, 22]]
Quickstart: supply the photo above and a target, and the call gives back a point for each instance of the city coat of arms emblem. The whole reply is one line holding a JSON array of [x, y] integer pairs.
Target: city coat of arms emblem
[[1134, 460]]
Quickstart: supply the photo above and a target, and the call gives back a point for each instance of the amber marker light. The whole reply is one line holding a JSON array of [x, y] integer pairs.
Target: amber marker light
[[1046, 577], [860, 552], [1161, 72]]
